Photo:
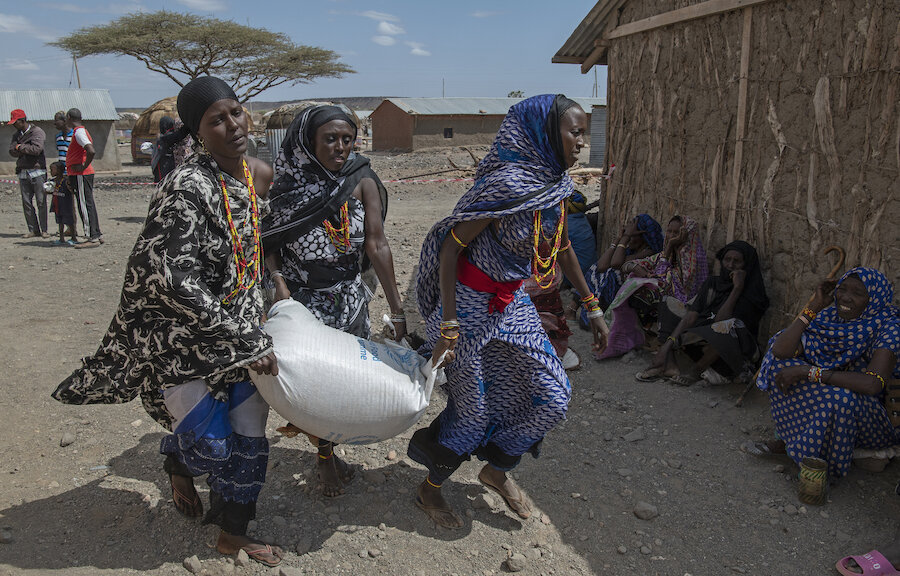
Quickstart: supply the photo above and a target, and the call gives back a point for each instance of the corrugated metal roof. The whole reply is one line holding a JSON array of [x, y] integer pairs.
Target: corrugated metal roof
[[470, 106], [581, 43], [43, 104]]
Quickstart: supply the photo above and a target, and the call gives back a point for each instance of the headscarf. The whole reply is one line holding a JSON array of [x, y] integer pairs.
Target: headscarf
[[521, 172], [651, 232], [833, 343], [753, 300], [305, 193], [197, 96], [682, 278]]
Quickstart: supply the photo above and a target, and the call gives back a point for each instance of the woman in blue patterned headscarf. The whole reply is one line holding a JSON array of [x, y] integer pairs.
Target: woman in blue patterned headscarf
[[506, 385], [827, 372]]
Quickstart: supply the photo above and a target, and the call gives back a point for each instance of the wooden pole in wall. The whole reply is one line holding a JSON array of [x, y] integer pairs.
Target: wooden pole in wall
[[731, 205]]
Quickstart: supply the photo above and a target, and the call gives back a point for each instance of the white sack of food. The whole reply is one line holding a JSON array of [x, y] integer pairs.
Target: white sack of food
[[340, 387]]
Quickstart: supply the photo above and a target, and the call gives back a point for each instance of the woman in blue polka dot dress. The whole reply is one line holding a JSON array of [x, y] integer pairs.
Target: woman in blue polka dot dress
[[827, 372]]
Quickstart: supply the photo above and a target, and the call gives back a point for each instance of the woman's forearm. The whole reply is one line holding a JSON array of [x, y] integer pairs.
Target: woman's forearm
[[726, 310]]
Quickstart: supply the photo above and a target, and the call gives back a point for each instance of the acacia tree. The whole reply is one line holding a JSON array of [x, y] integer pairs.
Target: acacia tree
[[185, 46]]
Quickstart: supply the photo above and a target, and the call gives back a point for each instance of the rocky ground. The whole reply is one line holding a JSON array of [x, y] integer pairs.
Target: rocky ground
[[642, 479]]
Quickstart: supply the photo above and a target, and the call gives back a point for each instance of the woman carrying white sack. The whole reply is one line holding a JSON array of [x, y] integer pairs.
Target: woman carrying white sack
[[326, 226]]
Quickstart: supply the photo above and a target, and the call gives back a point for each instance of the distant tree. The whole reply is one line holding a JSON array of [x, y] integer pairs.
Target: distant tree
[[185, 46], [516, 94]]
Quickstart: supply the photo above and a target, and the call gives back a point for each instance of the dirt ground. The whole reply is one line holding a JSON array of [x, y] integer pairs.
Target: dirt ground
[[102, 505]]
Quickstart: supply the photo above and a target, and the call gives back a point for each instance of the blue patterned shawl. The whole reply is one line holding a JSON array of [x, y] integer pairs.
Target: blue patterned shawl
[[651, 231], [835, 344], [522, 172]]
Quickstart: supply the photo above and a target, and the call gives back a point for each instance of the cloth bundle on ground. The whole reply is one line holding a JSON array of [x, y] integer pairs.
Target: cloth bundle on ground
[[339, 387]]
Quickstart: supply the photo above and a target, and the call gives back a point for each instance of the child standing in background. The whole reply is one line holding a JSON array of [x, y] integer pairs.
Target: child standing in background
[[61, 205]]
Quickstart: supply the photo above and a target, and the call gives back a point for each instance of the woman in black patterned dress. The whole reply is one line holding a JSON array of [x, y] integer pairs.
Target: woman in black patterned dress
[[187, 327]]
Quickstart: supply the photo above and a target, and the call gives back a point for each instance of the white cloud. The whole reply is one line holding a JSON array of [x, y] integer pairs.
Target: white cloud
[[74, 8], [418, 49], [379, 16], [389, 28], [384, 40], [12, 64], [14, 24], [483, 14], [204, 5]]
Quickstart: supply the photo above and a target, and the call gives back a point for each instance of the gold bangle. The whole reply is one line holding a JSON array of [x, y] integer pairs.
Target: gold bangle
[[458, 241]]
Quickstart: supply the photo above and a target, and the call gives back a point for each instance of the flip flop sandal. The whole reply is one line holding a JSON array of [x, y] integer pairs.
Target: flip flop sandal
[[650, 375], [873, 564], [431, 512], [517, 505], [682, 380], [761, 450], [260, 555]]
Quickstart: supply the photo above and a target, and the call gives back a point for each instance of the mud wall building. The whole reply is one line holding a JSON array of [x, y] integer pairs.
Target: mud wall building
[[771, 121], [97, 110], [407, 124]]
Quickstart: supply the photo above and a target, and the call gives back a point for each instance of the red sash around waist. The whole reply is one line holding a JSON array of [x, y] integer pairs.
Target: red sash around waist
[[474, 278]]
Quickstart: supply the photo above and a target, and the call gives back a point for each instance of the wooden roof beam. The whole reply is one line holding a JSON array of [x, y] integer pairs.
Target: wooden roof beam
[[600, 46], [701, 10]]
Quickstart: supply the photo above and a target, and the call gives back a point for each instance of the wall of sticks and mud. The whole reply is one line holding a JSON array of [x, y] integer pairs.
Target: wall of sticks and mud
[[818, 154]]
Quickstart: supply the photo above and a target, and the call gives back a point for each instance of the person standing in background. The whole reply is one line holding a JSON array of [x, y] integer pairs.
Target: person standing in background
[[27, 147], [80, 177], [62, 194]]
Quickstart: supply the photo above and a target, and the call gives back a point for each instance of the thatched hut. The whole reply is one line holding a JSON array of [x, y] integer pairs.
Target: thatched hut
[[767, 120]]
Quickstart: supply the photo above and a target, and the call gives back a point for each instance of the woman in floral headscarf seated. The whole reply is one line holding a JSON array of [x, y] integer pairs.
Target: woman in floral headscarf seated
[[678, 271], [827, 373]]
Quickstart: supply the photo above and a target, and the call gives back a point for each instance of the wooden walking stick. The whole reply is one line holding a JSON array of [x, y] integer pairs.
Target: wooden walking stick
[[831, 277]]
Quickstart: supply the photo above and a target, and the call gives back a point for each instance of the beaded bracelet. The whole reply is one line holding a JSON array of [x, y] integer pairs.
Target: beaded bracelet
[[450, 324], [808, 312], [815, 374], [564, 248], [588, 298], [446, 337], [594, 313], [458, 241], [877, 377]]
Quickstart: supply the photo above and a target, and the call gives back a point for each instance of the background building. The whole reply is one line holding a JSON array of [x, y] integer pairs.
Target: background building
[[97, 111]]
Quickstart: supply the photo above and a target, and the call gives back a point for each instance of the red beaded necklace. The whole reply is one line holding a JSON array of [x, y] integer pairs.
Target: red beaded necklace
[[248, 273]]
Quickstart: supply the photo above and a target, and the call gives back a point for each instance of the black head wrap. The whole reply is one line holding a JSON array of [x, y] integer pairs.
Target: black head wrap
[[197, 96], [559, 107], [320, 116], [753, 300]]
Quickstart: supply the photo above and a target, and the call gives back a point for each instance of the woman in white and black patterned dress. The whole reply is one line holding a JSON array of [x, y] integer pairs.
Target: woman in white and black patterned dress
[[325, 228]]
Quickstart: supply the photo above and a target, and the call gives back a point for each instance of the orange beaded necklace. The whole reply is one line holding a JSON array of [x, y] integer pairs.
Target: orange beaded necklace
[[542, 267], [248, 273]]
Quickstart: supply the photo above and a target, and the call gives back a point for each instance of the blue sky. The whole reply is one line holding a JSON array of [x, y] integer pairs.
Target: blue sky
[[397, 47]]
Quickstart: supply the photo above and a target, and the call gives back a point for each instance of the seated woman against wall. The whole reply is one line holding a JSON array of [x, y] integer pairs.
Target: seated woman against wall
[[678, 271], [640, 238], [721, 323], [827, 373]]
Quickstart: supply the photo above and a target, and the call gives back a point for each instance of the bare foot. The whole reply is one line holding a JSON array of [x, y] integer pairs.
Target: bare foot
[[185, 496], [256, 549], [514, 497], [430, 500], [329, 476]]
